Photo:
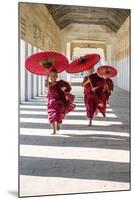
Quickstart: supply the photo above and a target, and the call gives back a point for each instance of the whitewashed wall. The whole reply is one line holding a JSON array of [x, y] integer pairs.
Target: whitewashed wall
[[122, 55], [123, 78]]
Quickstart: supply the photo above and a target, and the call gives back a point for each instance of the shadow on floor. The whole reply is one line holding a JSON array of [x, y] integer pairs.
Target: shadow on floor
[[88, 141], [77, 127], [74, 117], [75, 168]]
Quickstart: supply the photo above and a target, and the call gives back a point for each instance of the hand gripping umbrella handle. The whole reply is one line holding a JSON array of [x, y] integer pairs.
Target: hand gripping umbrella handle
[[47, 81], [90, 82]]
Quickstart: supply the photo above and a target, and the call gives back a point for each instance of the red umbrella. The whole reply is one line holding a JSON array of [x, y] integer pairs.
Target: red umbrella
[[44, 62], [107, 71], [83, 63]]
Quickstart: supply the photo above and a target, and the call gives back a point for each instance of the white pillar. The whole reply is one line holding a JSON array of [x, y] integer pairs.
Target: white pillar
[[39, 81], [44, 88], [22, 71], [28, 74], [39, 85], [35, 77], [68, 53], [43, 84]]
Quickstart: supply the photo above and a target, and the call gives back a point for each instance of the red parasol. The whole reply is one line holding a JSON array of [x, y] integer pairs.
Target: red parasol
[[83, 63], [44, 62], [107, 71]]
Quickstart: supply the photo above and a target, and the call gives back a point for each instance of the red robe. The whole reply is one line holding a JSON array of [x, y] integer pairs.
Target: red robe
[[57, 104], [109, 86], [94, 99], [104, 94]]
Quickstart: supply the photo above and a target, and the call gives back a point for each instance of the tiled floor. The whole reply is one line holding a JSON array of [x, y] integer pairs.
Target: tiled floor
[[79, 158]]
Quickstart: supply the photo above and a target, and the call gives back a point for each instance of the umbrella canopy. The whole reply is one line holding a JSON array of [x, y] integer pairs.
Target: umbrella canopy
[[107, 71], [83, 63], [44, 62]]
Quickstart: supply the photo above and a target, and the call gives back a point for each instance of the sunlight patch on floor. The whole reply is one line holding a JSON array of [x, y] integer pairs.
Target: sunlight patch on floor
[[82, 153], [52, 185], [71, 121], [62, 132]]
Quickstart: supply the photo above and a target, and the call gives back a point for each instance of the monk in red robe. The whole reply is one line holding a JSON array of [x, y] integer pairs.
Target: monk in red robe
[[108, 88], [93, 91], [59, 100], [105, 93]]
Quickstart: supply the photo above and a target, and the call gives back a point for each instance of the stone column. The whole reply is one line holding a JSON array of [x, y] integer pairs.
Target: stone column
[[28, 84], [34, 78], [43, 84], [39, 81], [26, 73], [68, 53], [22, 90], [63, 75]]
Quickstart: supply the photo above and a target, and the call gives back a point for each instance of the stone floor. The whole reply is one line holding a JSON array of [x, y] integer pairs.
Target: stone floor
[[79, 158]]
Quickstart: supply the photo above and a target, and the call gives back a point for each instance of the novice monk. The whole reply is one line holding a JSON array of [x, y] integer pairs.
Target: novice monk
[[58, 103], [93, 87], [108, 88], [105, 93]]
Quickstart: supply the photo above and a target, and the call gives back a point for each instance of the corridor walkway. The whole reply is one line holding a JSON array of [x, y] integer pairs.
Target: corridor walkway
[[79, 158]]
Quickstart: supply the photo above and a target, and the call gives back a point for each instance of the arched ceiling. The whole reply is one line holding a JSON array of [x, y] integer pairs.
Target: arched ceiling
[[64, 15]]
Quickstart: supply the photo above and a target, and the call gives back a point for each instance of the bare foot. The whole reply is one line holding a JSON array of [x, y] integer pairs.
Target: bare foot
[[90, 123], [54, 128], [53, 133], [104, 115], [58, 127]]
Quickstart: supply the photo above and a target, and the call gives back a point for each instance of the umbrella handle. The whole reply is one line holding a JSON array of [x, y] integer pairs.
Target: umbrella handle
[[47, 77], [90, 82], [47, 82]]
